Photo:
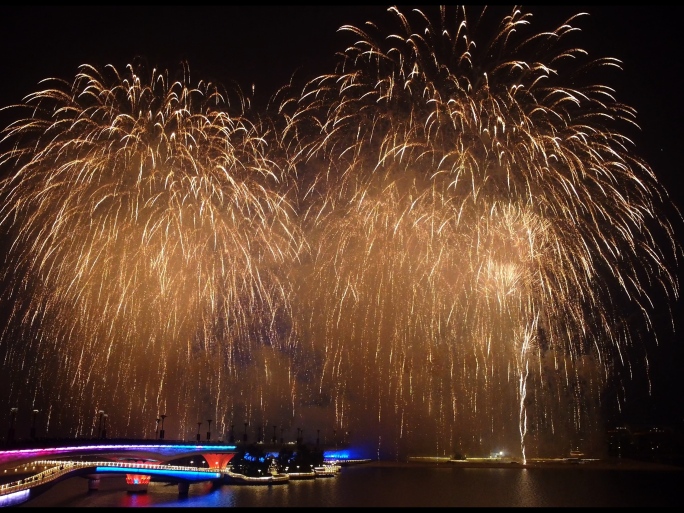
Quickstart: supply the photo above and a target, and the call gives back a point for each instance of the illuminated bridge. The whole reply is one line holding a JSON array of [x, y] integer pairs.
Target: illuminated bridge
[[154, 451], [138, 475], [29, 471], [39, 469], [161, 452]]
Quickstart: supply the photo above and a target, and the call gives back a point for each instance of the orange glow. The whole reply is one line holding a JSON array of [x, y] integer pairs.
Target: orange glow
[[137, 479], [217, 460]]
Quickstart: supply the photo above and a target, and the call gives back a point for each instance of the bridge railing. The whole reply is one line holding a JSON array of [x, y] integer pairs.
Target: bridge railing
[[59, 468]]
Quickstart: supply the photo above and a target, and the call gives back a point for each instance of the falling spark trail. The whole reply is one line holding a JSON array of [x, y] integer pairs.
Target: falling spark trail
[[476, 186], [444, 243], [148, 216]]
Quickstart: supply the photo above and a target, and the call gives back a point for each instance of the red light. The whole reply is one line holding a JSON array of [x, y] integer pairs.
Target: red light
[[137, 479]]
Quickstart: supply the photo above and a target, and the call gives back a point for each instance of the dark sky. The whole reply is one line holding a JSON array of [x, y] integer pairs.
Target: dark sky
[[264, 45]]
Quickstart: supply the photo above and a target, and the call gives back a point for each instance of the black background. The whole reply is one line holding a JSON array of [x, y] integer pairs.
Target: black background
[[264, 45]]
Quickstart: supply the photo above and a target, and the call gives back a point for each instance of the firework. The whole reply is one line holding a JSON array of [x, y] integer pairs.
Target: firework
[[437, 245], [479, 225], [149, 228]]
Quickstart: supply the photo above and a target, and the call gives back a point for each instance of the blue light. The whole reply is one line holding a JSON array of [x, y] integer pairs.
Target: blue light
[[187, 475], [9, 455], [336, 455], [196, 447], [14, 498]]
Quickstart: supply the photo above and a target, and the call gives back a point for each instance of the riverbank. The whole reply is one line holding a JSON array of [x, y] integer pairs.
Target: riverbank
[[598, 464]]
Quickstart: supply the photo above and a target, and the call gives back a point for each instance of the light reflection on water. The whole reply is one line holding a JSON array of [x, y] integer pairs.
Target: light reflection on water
[[397, 486]]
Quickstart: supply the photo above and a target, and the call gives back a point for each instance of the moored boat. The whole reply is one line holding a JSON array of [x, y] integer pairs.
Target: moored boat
[[267, 479], [302, 475], [327, 470]]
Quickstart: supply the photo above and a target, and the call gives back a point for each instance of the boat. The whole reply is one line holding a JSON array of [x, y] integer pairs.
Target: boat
[[327, 470], [302, 475], [271, 477], [268, 479], [575, 457]]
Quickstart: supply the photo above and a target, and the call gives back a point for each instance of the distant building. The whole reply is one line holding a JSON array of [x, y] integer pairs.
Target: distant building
[[662, 444]]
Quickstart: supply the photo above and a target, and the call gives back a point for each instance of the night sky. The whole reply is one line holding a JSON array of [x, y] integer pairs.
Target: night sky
[[264, 45], [261, 47]]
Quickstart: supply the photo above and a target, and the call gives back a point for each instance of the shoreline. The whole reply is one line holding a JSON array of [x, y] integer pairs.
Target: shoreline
[[622, 464]]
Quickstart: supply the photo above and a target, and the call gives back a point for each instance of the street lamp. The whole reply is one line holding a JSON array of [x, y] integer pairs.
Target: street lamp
[[156, 429], [33, 426], [198, 431], [104, 426], [161, 433], [99, 429], [209, 430], [10, 433]]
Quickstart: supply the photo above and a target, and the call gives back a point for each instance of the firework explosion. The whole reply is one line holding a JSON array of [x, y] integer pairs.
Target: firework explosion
[[147, 227], [477, 218], [448, 270]]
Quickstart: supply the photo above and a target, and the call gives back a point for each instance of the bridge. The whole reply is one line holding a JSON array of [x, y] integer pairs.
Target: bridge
[[138, 476], [38, 468], [148, 450], [28, 471], [118, 449]]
